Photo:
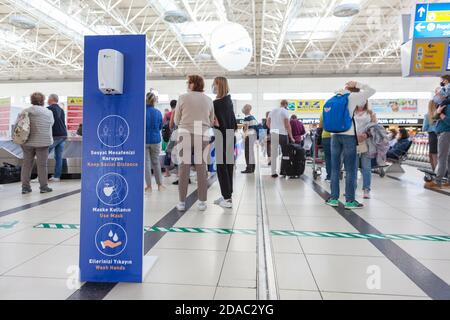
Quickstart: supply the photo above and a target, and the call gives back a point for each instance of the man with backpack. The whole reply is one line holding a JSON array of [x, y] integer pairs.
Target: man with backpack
[[338, 120]]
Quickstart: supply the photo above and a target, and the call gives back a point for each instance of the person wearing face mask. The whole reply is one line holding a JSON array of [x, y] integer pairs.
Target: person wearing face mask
[[363, 117], [392, 136], [401, 147], [429, 126], [225, 125], [442, 115], [194, 117], [442, 93]]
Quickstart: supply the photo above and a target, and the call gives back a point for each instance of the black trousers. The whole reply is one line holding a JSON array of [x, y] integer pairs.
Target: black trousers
[[249, 144], [225, 166], [225, 174]]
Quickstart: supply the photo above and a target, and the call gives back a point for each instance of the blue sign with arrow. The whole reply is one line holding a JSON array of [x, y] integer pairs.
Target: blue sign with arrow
[[432, 20]]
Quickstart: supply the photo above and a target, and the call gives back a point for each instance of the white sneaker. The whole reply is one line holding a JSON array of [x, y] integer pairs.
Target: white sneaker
[[201, 206], [53, 179], [34, 180], [226, 204], [181, 206], [218, 201]]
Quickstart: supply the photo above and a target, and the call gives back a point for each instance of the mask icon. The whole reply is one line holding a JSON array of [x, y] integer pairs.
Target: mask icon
[[108, 191], [112, 189], [108, 188]]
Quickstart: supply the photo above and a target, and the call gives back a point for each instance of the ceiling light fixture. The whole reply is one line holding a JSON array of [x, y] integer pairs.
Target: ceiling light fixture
[[203, 57], [176, 16], [56, 18], [346, 10], [22, 22], [315, 55]]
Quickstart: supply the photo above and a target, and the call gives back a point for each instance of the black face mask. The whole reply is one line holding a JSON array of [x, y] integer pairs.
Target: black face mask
[[442, 84]]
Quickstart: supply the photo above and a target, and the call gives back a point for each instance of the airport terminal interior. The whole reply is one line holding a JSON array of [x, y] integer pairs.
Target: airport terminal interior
[[360, 213]]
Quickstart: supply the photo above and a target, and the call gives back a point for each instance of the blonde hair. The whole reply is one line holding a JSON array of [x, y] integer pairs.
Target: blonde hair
[[222, 87], [151, 99], [431, 110], [246, 109]]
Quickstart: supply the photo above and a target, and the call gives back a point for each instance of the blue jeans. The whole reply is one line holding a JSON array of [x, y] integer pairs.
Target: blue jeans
[[326, 143], [366, 169], [343, 145], [58, 146]]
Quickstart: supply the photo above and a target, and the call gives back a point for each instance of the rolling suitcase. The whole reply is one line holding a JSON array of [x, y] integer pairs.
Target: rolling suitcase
[[293, 164]]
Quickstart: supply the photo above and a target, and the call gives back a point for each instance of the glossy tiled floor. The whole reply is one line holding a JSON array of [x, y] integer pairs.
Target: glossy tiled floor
[[36, 263]]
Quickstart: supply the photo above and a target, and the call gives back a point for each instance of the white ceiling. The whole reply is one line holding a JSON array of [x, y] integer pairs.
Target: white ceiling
[[287, 36]]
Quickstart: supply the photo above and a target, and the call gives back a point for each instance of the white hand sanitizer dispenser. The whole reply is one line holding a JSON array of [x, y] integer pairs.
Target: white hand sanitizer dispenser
[[110, 71]]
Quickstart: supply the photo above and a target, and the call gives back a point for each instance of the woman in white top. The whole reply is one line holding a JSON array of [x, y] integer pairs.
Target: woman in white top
[[194, 117], [363, 116]]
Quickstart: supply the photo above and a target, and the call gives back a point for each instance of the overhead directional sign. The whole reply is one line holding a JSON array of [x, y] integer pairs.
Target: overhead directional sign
[[429, 57], [432, 20]]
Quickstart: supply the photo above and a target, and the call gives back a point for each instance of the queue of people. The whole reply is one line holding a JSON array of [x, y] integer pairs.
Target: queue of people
[[186, 130]]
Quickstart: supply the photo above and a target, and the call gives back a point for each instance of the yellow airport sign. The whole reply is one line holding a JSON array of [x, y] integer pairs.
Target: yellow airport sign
[[78, 101], [306, 106], [428, 57]]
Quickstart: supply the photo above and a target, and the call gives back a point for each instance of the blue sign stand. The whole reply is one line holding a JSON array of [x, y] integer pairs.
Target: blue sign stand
[[112, 195]]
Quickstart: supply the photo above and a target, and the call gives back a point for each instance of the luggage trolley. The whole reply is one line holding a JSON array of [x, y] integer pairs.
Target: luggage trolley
[[316, 153]]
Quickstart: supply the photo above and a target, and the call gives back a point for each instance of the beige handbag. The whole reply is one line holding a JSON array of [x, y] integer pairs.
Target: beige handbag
[[362, 147]]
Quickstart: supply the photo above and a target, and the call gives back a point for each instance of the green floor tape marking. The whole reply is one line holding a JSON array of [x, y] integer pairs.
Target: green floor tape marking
[[8, 225], [57, 226], [285, 233]]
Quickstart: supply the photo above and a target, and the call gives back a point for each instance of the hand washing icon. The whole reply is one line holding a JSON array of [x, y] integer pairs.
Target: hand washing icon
[[111, 239], [111, 244]]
